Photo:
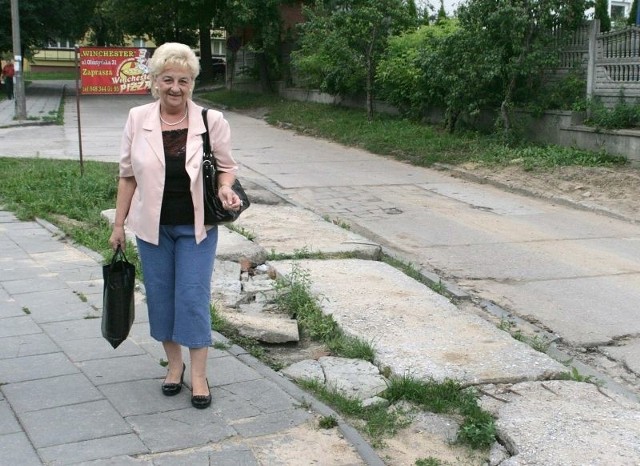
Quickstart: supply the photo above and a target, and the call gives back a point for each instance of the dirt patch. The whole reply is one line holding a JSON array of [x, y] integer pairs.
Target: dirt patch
[[610, 190]]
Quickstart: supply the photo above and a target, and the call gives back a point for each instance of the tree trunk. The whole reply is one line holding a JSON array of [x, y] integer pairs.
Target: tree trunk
[[206, 64]]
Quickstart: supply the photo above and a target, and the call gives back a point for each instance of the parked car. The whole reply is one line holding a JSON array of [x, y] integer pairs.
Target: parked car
[[219, 68]]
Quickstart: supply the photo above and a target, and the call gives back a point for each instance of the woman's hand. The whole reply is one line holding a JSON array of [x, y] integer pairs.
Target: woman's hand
[[228, 197], [118, 238]]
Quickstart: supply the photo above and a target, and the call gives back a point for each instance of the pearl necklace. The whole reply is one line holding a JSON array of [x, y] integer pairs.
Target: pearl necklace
[[177, 122]]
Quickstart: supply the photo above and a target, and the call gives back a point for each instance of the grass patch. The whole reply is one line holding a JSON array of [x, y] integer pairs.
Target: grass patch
[[478, 427], [55, 191], [404, 139], [377, 422], [411, 271], [241, 231], [293, 296], [537, 342]]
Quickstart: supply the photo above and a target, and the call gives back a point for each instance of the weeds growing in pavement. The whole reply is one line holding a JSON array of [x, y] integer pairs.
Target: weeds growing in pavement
[[241, 231], [576, 376], [410, 270], [377, 422], [336, 221], [293, 296], [478, 427], [537, 342], [328, 422]]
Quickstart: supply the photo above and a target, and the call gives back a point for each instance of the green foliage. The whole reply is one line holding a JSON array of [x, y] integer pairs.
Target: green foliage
[[477, 429], [417, 143], [293, 295], [43, 20], [631, 20], [378, 421], [622, 115], [601, 12], [340, 46], [535, 157], [327, 422], [55, 190], [566, 94], [400, 78], [575, 376]]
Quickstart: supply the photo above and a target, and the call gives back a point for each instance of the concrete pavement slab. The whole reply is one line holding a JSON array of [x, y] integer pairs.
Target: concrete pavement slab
[[74, 423], [567, 306], [35, 395], [8, 422], [26, 345], [576, 423], [122, 369], [16, 449], [21, 324], [181, 429], [292, 230], [414, 330], [37, 367], [109, 449], [142, 397]]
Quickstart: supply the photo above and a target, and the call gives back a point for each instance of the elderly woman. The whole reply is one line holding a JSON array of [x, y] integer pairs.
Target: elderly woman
[[160, 196]]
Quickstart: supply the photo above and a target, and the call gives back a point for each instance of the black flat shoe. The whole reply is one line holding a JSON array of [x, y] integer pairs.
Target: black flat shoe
[[201, 401], [171, 389]]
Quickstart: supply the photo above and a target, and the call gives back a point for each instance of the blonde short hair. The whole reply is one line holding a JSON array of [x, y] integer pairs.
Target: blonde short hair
[[173, 54]]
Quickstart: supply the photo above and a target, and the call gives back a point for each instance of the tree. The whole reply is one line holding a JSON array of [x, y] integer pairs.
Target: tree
[[601, 12], [256, 24], [633, 14], [341, 46], [42, 21], [518, 41], [402, 78]]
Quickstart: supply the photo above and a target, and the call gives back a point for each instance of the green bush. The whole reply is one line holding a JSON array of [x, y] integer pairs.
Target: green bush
[[622, 115]]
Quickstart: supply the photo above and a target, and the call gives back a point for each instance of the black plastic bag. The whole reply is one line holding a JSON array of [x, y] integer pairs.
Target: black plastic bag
[[118, 298]]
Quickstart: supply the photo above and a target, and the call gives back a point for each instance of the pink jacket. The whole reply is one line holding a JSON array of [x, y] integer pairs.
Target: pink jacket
[[142, 156]]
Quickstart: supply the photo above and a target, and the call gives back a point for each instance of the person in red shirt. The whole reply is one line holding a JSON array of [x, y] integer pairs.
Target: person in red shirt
[[8, 71]]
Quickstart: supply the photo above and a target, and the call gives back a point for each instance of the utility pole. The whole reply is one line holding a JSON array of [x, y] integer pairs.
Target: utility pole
[[18, 90]]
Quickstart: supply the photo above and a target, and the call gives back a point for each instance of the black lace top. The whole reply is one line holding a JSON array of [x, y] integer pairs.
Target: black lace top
[[177, 205]]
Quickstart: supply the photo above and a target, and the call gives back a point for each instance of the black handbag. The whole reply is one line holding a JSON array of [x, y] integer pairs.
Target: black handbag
[[118, 298], [214, 213]]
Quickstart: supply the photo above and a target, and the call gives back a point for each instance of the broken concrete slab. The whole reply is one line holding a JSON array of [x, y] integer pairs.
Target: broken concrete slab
[[414, 330], [628, 353], [291, 230], [268, 328], [233, 246], [568, 423], [353, 378]]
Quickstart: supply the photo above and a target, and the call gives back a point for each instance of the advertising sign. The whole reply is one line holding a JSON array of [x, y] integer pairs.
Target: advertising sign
[[114, 70]]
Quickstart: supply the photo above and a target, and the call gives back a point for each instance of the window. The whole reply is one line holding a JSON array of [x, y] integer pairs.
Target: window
[[617, 12], [138, 42], [60, 44]]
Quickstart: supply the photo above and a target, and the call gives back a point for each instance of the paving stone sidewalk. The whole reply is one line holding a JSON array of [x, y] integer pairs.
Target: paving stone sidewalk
[[66, 397]]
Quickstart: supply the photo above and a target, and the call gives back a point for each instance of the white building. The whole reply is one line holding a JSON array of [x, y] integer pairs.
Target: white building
[[620, 9]]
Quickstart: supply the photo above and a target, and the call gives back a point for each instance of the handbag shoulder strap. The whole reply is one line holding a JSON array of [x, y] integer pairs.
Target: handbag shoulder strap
[[206, 141]]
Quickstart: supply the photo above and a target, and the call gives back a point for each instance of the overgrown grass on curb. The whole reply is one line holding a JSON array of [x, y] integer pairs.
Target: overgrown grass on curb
[[404, 139], [54, 191], [293, 296], [477, 429]]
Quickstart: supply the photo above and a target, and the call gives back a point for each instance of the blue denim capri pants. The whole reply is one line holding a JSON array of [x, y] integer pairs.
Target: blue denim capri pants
[[177, 279]]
